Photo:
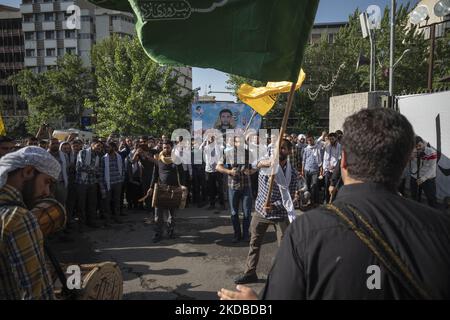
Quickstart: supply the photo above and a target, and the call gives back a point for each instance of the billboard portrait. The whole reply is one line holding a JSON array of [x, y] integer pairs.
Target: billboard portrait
[[223, 116]]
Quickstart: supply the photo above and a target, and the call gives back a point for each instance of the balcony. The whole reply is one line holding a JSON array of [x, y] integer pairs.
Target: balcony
[[47, 7], [50, 43], [50, 61], [65, 5], [26, 8], [30, 61], [28, 26], [11, 65], [48, 25], [70, 43], [11, 49]]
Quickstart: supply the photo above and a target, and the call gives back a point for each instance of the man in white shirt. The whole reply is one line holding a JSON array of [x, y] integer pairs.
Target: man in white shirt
[[423, 172], [212, 153], [331, 158]]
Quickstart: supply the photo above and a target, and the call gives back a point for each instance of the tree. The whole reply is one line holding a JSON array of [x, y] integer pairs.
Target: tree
[[135, 95], [55, 95]]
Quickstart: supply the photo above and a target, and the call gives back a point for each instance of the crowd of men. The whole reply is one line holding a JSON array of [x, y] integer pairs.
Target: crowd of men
[[102, 178], [99, 180]]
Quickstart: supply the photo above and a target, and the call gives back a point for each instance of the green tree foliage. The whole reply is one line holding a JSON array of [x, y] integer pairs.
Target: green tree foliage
[[134, 94], [322, 61], [56, 95]]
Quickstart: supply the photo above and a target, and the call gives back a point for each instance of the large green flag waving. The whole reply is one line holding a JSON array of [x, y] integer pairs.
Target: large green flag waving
[[259, 39]]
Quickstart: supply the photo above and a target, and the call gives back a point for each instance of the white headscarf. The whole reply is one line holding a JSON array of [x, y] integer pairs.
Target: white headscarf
[[36, 157]]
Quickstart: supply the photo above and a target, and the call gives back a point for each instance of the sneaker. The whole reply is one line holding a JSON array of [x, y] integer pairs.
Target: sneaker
[[236, 239], [246, 278]]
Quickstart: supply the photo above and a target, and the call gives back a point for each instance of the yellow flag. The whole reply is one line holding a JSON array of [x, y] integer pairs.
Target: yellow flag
[[262, 99], [2, 127]]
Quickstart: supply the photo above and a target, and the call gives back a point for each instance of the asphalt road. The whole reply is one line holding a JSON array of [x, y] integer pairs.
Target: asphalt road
[[194, 265]]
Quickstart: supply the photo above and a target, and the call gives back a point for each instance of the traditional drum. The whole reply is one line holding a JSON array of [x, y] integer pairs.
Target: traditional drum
[[165, 196], [99, 281], [50, 215]]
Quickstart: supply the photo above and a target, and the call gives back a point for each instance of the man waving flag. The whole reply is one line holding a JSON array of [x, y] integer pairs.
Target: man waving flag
[[258, 39]]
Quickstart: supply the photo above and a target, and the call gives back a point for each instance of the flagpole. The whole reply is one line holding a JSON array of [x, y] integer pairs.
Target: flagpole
[[280, 137], [249, 122]]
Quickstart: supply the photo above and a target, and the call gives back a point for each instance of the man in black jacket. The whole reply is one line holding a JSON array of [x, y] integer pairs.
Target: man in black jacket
[[371, 243], [168, 173]]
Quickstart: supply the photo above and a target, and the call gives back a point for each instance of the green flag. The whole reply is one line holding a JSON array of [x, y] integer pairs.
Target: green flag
[[259, 39]]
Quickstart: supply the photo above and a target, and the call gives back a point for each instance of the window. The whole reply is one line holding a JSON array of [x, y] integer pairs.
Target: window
[[40, 35], [29, 35], [48, 16], [60, 34], [87, 18], [49, 35], [38, 17], [47, 1], [27, 1], [331, 38], [30, 52], [60, 16], [40, 52], [71, 50], [70, 34], [28, 17], [60, 52], [50, 52]]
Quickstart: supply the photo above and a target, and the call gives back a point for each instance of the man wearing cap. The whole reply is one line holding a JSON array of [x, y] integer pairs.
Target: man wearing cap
[[25, 176]]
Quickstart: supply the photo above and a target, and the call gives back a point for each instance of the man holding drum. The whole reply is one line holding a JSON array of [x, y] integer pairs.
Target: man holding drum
[[25, 177]]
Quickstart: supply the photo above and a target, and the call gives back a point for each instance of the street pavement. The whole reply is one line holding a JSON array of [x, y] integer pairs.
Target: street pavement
[[198, 262]]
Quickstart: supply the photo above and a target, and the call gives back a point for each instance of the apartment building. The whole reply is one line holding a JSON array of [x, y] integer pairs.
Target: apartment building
[[11, 60]]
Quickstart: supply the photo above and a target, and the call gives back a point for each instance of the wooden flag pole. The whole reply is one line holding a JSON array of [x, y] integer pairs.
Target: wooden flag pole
[[280, 137], [249, 122]]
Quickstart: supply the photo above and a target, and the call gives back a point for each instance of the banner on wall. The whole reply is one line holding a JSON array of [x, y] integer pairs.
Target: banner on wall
[[429, 115], [223, 116]]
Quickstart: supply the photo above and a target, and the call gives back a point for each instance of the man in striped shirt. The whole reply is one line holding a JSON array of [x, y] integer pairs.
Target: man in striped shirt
[[25, 176], [276, 214]]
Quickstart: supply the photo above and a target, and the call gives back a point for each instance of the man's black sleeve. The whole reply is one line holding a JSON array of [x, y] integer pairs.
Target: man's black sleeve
[[286, 280]]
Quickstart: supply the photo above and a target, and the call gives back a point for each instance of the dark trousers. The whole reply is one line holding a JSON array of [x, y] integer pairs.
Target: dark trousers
[[133, 193], [111, 203], [87, 202], [159, 220], [428, 187], [254, 182], [71, 202], [215, 187], [236, 197], [327, 181], [258, 228], [313, 187], [198, 184]]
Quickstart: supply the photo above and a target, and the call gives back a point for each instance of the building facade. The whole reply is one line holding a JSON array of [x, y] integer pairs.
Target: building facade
[[11, 60]]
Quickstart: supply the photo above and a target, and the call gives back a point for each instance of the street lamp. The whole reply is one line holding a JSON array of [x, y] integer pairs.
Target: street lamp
[[420, 14]]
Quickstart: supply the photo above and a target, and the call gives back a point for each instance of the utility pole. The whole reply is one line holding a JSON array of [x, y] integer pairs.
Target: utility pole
[[391, 55]]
